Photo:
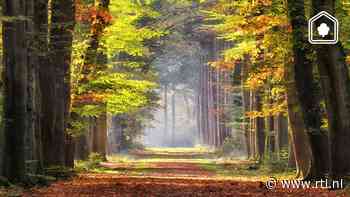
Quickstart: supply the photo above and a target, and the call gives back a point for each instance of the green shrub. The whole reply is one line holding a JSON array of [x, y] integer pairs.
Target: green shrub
[[59, 172], [230, 145], [277, 163], [92, 162]]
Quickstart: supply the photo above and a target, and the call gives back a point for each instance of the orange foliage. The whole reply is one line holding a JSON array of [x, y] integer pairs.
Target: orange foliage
[[264, 2], [258, 79], [222, 65], [88, 98], [254, 114], [102, 14], [279, 108], [81, 12], [91, 14]]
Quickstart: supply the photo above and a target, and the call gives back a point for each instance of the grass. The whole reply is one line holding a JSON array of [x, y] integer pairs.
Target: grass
[[130, 159], [184, 150], [245, 172]]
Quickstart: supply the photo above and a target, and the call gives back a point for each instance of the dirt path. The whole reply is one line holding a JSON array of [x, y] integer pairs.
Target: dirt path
[[163, 184], [111, 185], [161, 178]]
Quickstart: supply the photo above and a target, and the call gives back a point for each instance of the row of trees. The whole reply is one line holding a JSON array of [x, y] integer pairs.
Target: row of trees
[[68, 66], [216, 94], [36, 90], [284, 76]]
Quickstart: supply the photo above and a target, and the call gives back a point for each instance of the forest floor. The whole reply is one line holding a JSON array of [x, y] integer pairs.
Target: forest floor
[[174, 173]]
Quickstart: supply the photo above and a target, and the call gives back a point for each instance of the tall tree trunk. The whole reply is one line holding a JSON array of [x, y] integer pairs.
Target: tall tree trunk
[[100, 135], [47, 84], [165, 111], [211, 110], [218, 128], [299, 138], [40, 19], [206, 104], [252, 141], [308, 105], [32, 136], [259, 128], [15, 78], [173, 117], [336, 87], [81, 148], [246, 104], [291, 154], [188, 108], [198, 117], [61, 37]]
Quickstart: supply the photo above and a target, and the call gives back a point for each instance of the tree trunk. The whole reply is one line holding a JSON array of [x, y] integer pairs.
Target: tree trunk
[[69, 151], [15, 89], [47, 84], [62, 15], [188, 108], [305, 93], [246, 104], [173, 117], [100, 136], [336, 87], [259, 129], [32, 136], [198, 117], [81, 148], [211, 109], [291, 154], [218, 129], [165, 111], [299, 139]]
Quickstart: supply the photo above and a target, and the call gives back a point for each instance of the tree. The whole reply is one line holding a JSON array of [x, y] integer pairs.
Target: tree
[[109, 76], [43, 71], [309, 111], [165, 110], [173, 115], [16, 83], [56, 80], [335, 81]]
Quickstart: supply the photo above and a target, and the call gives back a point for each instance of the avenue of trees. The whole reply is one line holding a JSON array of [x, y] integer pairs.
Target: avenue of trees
[[73, 69], [68, 65], [289, 87]]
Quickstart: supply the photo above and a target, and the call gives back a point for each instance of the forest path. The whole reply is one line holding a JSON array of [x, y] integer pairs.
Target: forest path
[[181, 174]]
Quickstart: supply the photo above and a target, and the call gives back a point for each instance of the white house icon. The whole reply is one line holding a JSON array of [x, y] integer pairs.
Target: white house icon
[[324, 29]]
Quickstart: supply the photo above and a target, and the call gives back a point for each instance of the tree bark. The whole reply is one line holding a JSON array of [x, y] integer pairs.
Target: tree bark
[[60, 48], [173, 117], [32, 135], [47, 84], [336, 87], [291, 154], [305, 93], [246, 104], [15, 89], [259, 129], [100, 136], [299, 139], [165, 111]]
